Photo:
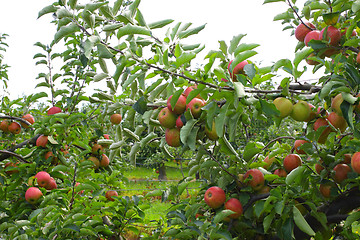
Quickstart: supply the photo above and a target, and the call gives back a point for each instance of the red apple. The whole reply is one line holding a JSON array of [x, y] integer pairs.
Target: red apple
[[211, 134], [234, 205], [313, 35], [284, 105], [301, 111], [14, 128], [97, 148], [311, 61], [42, 178], [319, 123], [4, 126], [51, 185], [268, 161], [11, 165], [257, 178], [115, 118], [106, 136], [280, 172], [347, 158], [355, 162], [167, 118], [313, 113], [195, 106], [319, 167], [291, 162], [32, 195], [214, 197], [28, 117], [358, 58], [299, 143], [110, 194], [95, 160], [189, 89], [180, 105], [301, 30], [341, 172], [172, 137], [238, 69], [53, 110], [104, 162], [332, 34], [41, 141], [179, 122], [337, 121], [325, 190]]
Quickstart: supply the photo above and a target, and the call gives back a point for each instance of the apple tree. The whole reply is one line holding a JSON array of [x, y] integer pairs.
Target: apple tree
[[301, 183]]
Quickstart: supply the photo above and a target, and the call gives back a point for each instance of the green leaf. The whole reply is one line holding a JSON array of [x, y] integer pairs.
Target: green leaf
[[117, 6], [331, 18], [186, 130], [251, 149], [347, 110], [147, 139], [283, 16], [239, 89], [354, 216], [72, 3], [140, 18], [269, 108], [245, 47], [103, 51], [185, 57], [222, 215], [294, 175], [131, 30], [226, 147], [160, 24], [37, 96], [301, 222], [133, 7], [220, 119], [241, 57], [65, 31], [140, 106], [189, 32], [47, 9], [93, 6], [112, 27], [355, 6], [234, 42], [268, 220], [100, 76], [300, 55], [154, 193], [270, 1]]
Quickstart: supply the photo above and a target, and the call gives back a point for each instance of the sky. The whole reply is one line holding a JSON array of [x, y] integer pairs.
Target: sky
[[224, 19]]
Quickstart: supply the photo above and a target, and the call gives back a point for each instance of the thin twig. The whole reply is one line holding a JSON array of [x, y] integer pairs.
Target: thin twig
[[297, 15], [14, 155]]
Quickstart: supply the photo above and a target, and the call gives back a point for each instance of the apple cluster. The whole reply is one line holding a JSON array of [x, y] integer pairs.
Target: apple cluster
[[173, 118], [43, 180], [14, 127]]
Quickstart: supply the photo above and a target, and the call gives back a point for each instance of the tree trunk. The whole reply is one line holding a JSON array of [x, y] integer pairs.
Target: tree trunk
[[162, 172]]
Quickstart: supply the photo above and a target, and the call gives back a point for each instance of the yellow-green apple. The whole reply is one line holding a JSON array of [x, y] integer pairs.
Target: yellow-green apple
[[167, 118], [319, 123], [301, 111], [313, 113], [189, 89], [256, 181], [179, 121], [336, 102], [341, 172], [41, 141], [325, 190], [211, 134], [301, 30], [11, 165], [42, 178], [51, 185], [97, 148], [337, 121], [115, 118], [180, 105], [332, 35], [172, 137], [280, 172], [215, 197], [53, 110], [291, 162], [234, 205], [14, 128], [32, 195], [268, 161], [298, 143], [195, 106], [355, 162], [110, 194], [104, 162], [284, 105], [313, 35], [28, 117], [4, 125], [95, 160], [238, 69]]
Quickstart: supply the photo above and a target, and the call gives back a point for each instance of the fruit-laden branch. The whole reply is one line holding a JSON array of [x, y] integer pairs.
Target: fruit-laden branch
[[20, 145], [14, 155], [17, 119]]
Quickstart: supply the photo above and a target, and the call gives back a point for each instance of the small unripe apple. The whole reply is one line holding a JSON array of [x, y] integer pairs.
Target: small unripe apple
[[180, 105], [53, 110], [301, 111], [167, 118], [172, 137], [32, 195], [214, 197], [42, 178], [332, 34], [301, 30], [41, 141], [110, 194], [341, 172], [257, 178], [355, 162], [313, 35], [14, 128], [115, 118], [284, 105], [211, 134], [291, 162], [234, 205]]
